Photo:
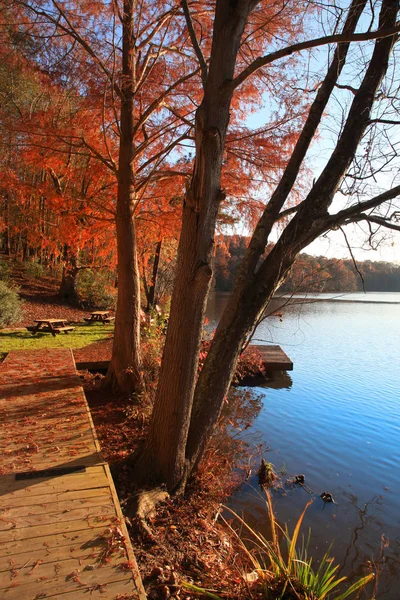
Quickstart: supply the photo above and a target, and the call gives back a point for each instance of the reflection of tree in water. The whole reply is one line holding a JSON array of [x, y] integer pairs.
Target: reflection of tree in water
[[391, 563], [365, 521], [234, 438], [384, 558]]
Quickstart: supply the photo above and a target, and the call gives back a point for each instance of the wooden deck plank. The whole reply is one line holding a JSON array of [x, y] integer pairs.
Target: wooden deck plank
[[274, 358], [26, 533], [82, 460], [57, 506], [72, 581], [57, 528], [62, 566], [82, 495], [110, 592], [18, 521], [86, 545], [96, 591], [93, 478], [52, 542]]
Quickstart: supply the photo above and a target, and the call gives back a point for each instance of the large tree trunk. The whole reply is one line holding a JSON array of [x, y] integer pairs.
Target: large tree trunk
[[164, 454], [185, 413], [125, 370]]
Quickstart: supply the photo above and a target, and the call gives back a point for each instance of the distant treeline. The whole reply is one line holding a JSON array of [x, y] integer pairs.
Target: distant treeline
[[310, 273]]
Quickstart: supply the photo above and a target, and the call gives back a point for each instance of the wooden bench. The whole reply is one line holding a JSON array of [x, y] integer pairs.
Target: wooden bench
[[109, 320], [99, 316], [64, 329]]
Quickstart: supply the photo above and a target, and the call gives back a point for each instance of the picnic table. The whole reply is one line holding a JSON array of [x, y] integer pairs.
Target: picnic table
[[100, 316], [52, 326]]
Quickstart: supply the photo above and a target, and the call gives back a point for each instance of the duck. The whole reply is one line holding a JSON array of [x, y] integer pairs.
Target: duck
[[327, 497], [299, 479]]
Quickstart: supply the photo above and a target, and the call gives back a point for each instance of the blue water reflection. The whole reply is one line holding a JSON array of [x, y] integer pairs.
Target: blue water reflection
[[336, 419]]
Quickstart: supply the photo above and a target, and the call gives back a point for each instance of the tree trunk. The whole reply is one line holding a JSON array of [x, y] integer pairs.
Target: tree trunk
[[185, 413], [68, 287], [151, 291], [164, 453], [125, 370]]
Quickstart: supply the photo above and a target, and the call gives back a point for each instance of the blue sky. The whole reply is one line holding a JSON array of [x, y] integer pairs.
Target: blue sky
[[334, 244]]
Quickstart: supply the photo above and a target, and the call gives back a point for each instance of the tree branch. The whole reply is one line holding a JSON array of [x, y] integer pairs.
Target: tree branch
[[195, 43], [351, 213], [72, 32], [262, 61], [373, 219], [353, 259]]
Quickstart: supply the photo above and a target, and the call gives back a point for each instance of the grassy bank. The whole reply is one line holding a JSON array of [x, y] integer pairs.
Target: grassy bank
[[81, 336]]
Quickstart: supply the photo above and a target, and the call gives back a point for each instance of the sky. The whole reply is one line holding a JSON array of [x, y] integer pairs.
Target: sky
[[333, 245]]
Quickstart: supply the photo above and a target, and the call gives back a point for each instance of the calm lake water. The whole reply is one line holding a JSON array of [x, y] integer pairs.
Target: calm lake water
[[336, 419]]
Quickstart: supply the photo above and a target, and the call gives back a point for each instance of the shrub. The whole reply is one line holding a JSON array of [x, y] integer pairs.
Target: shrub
[[4, 271], [34, 269], [10, 305], [94, 289]]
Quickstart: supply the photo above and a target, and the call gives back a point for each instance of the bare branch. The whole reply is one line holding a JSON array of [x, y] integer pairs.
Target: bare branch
[[195, 43], [353, 259], [374, 219], [160, 100], [262, 61], [350, 214]]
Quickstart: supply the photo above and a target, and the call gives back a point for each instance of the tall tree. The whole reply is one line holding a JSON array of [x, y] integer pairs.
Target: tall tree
[[187, 406], [134, 85], [129, 113]]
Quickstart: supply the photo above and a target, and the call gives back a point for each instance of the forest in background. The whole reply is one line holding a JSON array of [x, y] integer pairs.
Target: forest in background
[[310, 273]]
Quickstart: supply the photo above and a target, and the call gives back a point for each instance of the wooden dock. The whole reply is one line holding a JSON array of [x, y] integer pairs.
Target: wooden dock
[[62, 532], [274, 358]]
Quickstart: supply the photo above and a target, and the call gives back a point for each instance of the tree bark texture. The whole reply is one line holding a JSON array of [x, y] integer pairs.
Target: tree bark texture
[[69, 281], [125, 370]]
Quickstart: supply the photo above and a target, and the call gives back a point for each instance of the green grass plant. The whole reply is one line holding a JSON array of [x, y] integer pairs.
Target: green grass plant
[[294, 568], [286, 572], [82, 335]]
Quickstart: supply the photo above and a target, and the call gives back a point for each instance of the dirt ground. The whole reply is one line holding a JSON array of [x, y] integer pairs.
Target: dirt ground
[[40, 298]]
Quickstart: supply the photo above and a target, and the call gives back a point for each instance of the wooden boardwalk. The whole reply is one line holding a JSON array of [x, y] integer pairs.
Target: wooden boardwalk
[[62, 533]]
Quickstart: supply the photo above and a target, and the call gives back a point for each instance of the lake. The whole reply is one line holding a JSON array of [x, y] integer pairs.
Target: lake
[[336, 419]]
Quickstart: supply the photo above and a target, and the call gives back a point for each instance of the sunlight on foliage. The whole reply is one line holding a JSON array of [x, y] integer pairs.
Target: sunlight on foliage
[[10, 305]]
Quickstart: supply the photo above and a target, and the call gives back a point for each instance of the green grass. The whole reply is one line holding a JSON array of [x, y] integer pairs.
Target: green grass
[[296, 570], [83, 335], [289, 574]]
